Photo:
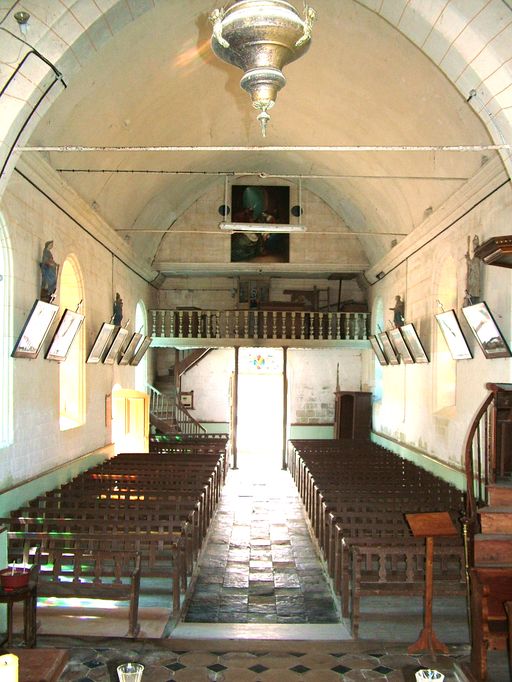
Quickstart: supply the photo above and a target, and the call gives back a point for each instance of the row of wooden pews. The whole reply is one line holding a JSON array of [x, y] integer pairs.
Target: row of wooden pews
[[136, 519], [356, 495]]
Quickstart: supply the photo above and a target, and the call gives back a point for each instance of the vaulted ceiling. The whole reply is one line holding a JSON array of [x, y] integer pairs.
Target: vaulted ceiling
[[378, 73]]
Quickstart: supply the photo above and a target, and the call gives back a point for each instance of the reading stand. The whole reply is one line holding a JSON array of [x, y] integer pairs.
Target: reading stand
[[428, 526]]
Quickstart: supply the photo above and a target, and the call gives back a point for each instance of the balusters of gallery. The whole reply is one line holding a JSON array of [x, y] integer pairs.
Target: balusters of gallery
[[259, 324]]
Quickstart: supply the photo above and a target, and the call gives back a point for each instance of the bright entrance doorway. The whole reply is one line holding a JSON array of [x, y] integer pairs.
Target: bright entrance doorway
[[260, 425]]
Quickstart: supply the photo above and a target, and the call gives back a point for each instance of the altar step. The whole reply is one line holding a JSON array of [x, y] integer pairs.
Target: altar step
[[496, 519], [493, 549]]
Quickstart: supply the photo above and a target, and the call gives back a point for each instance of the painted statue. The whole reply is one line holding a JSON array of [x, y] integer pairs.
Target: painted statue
[[117, 316], [49, 274], [398, 312], [472, 293]]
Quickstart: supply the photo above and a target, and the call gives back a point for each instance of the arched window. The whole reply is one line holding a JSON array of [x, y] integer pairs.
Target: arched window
[[445, 374], [72, 372], [6, 337], [141, 370]]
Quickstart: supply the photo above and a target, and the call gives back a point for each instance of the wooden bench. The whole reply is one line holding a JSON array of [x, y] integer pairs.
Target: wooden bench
[[185, 509], [151, 531], [400, 571], [491, 588], [162, 555], [93, 575]]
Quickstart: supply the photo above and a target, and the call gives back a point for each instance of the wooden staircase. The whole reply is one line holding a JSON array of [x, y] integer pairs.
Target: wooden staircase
[[189, 359], [489, 522], [493, 545], [169, 416]]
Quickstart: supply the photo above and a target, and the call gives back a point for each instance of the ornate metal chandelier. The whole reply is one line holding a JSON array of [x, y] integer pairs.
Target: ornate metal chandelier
[[261, 37]]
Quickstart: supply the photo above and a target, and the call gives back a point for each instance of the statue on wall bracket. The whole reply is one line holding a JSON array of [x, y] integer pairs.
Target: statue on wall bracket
[[472, 292], [398, 311], [117, 316], [49, 274]]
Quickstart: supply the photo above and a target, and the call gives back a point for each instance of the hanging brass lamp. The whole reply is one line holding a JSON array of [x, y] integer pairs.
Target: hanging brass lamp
[[261, 37]]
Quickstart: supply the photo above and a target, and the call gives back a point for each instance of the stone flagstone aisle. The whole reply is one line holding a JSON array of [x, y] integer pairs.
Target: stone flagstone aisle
[[259, 564]]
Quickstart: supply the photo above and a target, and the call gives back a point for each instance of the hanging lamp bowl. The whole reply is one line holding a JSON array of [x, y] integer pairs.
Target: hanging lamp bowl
[[261, 37]]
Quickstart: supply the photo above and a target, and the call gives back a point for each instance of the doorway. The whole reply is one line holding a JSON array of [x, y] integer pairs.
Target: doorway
[[130, 421], [260, 425]]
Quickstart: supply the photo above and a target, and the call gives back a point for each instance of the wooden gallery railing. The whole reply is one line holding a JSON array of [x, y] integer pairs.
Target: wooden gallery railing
[[486, 449], [259, 324]]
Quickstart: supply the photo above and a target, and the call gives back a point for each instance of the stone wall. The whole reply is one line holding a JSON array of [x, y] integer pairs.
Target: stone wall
[[415, 408], [31, 218]]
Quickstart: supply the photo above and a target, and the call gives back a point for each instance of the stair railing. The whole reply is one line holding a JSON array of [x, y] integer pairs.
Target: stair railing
[[478, 450], [169, 409], [486, 453]]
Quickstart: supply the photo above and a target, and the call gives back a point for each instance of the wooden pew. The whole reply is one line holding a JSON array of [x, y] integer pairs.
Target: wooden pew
[[491, 588], [161, 555], [355, 494], [157, 507], [93, 575], [400, 570]]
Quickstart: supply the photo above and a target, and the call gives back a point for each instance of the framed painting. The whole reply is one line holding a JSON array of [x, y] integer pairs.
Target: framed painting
[[455, 339], [388, 349], [34, 330], [486, 331], [100, 343], [139, 353], [260, 203], [129, 351], [118, 339], [413, 343], [378, 350], [68, 327], [187, 399], [398, 343], [260, 247]]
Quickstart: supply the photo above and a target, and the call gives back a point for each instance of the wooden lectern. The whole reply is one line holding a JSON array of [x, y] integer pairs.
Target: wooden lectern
[[429, 525]]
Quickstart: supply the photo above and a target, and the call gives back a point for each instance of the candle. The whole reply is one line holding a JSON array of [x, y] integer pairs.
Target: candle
[[9, 668]]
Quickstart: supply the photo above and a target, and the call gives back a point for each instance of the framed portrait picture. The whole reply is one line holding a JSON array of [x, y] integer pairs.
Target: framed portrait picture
[[378, 350], [388, 349], [100, 343], [413, 342], [34, 330], [118, 339], [127, 354], [455, 339], [486, 331], [398, 343], [69, 324], [139, 353]]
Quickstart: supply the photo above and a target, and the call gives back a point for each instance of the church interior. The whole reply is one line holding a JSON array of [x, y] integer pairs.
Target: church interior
[[256, 339]]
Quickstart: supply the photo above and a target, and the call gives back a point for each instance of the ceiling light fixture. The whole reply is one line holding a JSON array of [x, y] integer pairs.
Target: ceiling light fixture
[[22, 19], [261, 37], [261, 227]]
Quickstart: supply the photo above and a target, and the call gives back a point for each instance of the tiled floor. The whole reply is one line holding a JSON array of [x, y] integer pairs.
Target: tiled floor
[[188, 661], [260, 565]]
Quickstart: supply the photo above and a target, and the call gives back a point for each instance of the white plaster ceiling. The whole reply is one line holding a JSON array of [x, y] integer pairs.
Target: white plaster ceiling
[[154, 81]]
